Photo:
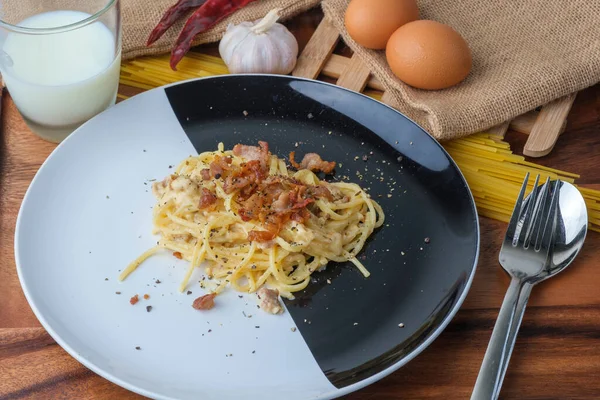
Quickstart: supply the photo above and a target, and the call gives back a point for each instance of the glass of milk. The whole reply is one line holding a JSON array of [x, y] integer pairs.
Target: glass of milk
[[60, 60]]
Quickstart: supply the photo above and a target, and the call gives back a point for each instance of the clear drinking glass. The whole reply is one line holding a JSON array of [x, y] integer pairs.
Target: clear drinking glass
[[60, 60]]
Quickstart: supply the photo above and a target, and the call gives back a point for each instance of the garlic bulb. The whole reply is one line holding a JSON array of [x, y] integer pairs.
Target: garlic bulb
[[264, 46]]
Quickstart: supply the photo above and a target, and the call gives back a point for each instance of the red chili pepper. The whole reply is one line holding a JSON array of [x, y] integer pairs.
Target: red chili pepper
[[171, 16], [206, 16]]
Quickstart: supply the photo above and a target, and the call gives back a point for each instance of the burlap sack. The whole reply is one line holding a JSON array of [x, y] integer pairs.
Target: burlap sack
[[526, 53], [140, 16]]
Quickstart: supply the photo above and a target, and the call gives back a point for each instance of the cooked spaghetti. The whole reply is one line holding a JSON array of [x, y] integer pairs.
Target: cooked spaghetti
[[255, 223]]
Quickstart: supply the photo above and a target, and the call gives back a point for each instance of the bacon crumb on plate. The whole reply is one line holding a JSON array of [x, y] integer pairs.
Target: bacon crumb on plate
[[178, 255], [312, 162], [134, 300], [269, 300], [205, 302]]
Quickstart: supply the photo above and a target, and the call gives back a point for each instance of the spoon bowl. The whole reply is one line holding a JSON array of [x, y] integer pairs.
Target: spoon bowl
[[571, 228]]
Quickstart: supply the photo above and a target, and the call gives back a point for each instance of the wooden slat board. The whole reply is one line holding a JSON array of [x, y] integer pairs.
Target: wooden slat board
[[499, 130], [355, 75], [317, 51], [336, 64], [548, 126]]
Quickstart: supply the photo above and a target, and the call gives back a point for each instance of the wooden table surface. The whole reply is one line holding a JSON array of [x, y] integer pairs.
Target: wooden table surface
[[557, 354]]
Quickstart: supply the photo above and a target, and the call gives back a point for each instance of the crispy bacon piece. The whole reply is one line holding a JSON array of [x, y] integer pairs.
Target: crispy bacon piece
[[313, 162], [177, 254], [320, 191], [252, 153], [269, 300], [261, 236], [233, 183], [205, 302], [282, 203], [273, 186], [134, 300], [251, 173], [219, 166], [252, 207], [293, 160], [205, 173], [207, 198], [270, 200], [297, 199], [276, 200], [246, 215], [300, 216]]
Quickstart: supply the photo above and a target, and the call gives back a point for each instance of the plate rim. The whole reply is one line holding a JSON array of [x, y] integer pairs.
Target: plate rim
[[324, 396]]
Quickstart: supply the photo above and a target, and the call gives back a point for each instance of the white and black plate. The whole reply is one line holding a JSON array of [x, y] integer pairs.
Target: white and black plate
[[87, 214]]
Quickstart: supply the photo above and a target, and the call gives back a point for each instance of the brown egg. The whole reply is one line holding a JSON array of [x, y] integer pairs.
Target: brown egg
[[371, 22], [428, 55]]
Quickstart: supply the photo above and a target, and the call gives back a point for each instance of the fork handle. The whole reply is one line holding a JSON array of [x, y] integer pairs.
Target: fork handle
[[502, 341]]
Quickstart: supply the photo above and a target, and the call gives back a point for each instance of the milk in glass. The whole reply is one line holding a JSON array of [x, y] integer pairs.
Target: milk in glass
[[60, 80]]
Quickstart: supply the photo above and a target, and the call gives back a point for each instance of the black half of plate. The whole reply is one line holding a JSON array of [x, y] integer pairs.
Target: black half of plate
[[421, 261]]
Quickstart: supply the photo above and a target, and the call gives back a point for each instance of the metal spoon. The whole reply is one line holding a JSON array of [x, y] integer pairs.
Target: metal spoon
[[569, 235]]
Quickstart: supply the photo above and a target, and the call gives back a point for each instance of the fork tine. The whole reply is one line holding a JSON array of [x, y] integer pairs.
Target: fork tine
[[526, 216], [514, 219], [548, 230], [538, 217]]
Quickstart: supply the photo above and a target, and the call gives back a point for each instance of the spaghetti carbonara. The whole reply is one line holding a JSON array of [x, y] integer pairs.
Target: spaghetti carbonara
[[256, 223]]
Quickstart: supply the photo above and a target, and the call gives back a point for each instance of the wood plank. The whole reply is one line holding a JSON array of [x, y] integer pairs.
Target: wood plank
[[21, 154], [556, 357], [548, 126], [355, 75], [336, 64], [524, 123], [317, 50], [33, 366], [499, 130]]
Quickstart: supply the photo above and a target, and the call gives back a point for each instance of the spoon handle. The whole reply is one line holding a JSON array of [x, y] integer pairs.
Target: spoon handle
[[502, 341]]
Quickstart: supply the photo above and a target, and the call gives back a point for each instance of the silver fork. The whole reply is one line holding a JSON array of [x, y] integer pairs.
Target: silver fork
[[524, 255]]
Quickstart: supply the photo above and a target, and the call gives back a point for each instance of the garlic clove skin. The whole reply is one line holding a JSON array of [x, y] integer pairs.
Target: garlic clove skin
[[288, 47], [234, 36], [271, 49]]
